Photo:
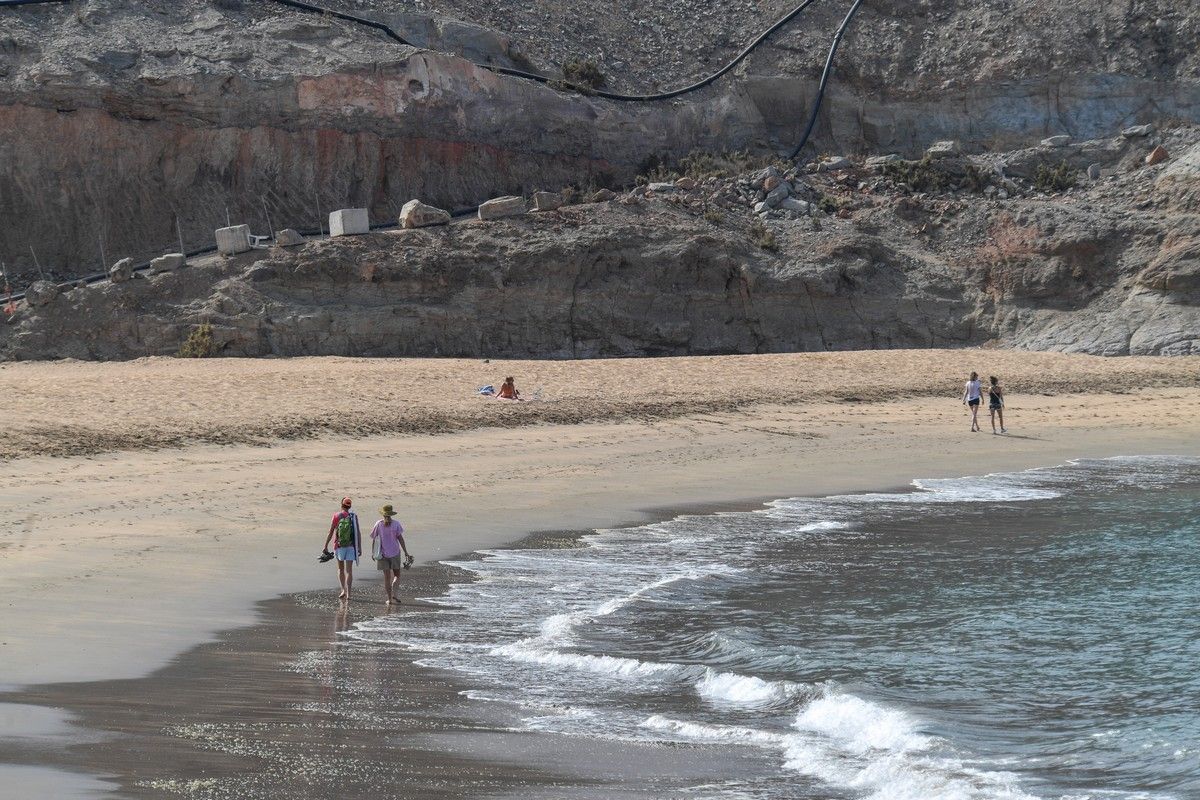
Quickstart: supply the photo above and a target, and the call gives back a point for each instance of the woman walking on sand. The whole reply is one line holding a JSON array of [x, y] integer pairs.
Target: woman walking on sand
[[971, 395], [996, 403], [349, 545], [388, 538]]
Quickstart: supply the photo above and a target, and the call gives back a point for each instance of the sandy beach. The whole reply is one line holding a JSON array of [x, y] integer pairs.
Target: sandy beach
[[153, 503]]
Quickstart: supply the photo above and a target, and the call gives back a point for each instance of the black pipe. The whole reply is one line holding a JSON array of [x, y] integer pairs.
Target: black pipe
[[700, 84], [816, 106]]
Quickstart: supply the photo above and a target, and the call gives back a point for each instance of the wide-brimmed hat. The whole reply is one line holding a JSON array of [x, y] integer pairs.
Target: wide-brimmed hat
[[387, 511]]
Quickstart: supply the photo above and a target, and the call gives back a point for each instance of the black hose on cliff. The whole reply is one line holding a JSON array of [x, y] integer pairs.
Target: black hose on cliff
[[516, 73], [816, 106]]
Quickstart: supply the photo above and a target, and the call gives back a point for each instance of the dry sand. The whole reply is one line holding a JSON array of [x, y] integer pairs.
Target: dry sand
[[117, 561], [74, 408]]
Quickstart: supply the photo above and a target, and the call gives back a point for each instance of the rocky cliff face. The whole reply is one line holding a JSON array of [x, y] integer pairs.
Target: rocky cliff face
[[131, 126], [1110, 267]]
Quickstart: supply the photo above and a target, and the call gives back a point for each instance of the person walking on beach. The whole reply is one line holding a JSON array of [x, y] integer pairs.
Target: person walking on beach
[[971, 396], [388, 542], [996, 403], [348, 545]]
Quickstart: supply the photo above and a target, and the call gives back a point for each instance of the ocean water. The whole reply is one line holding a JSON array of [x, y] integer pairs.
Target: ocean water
[[1009, 636]]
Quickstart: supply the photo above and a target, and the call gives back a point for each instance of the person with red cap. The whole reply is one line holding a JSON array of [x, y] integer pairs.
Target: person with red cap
[[348, 545]]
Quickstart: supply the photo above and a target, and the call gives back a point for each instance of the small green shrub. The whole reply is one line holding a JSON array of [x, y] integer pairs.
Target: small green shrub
[[583, 74], [763, 236], [921, 175], [199, 343], [1055, 179], [713, 216]]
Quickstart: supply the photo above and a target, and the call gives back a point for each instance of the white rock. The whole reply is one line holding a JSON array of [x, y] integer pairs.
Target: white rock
[[761, 207], [121, 271], [795, 205], [547, 201], [834, 163], [686, 184], [167, 263], [500, 207], [661, 187], [233, 240], [289, 237], [416, 214], [1061, 140], [349, 222], [944, 149]]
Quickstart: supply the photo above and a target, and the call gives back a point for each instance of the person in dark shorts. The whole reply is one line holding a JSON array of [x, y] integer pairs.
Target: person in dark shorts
[[996, 403], [388, 542], [971, 396]]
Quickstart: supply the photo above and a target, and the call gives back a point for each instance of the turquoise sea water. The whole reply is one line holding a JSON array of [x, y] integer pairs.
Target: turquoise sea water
[[1026, 635]]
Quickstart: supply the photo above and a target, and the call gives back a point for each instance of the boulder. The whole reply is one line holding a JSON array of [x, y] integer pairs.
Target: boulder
[[233, 240], [795, 205], [686, 184], [761, 207], [834, 163], [500, 207], [776, 195], [662, 187], [1093, 172], [121, 271], [349, 222], [288, 237], [547, 201], [771, 182], [416, 214], [1061, 140], [41, 293], [167, 263], [878, 162], [1157, 156], [761, 177], [944, 149], [1137, 131], [603, 196]]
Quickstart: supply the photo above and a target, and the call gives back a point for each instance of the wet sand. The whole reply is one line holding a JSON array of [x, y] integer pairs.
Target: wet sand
[[287, 709]]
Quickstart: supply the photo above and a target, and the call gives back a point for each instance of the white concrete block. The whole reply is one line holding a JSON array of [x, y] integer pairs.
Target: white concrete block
[[502, 207], [349, 222], [233, 240]]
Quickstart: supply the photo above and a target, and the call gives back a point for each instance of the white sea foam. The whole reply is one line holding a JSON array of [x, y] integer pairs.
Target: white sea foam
[[715, 733], [529, 652], [747, 691], [847, 741], [860, 726]]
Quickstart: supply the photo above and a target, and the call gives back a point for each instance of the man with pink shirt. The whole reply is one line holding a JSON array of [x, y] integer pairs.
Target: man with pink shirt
[[388, 543]]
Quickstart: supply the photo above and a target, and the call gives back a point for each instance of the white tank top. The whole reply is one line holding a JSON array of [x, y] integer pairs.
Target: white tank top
[[973, 389]]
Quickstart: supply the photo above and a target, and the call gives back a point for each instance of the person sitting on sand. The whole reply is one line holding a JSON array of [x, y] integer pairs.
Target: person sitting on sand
[[349, 545], [508, 391], [971, 395], [996, 403], [388, 535]]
